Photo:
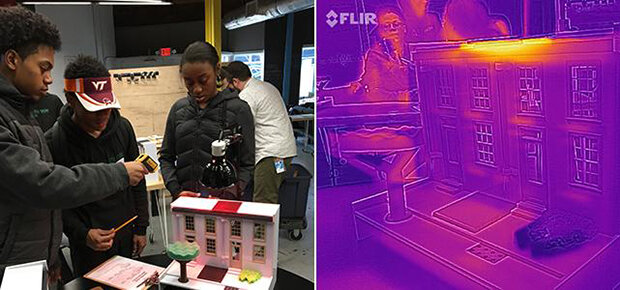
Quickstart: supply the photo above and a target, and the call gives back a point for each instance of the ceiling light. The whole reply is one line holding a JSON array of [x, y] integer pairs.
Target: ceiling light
[[56, 3], [148, 1], [110, 2], [134, 3]]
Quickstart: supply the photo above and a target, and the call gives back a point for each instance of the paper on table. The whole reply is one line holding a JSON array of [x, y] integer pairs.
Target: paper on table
[[123, 273], [25, 276]]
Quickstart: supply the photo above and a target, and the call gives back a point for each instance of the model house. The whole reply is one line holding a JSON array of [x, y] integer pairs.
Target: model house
[[512, 128], [232, 235], [531, 121]]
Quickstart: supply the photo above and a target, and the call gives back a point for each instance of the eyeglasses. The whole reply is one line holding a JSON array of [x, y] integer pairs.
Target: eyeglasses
[[391, 25]]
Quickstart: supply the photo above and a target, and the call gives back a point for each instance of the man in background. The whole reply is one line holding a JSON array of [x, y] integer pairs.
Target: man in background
[[275, 141], [91, 130]]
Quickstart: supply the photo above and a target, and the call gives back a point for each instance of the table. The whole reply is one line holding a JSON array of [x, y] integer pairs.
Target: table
[[157, 188], [306, 118], [286, 279]]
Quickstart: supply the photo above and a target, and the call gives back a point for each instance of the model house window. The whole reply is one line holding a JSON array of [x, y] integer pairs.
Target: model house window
[[259, 232], [586, 160], [189, 223], [445, 87], [585, 99], [210, 225], [530, 96], [589, 4], [235, 228], [190, 238], [480, 88], [210, 248], [484, 143], [258, 253]]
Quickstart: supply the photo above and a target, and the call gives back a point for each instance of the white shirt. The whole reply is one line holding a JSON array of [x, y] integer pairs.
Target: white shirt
[[273, 131]]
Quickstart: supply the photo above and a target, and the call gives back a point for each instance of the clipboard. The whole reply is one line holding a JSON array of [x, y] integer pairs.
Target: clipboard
[[123, 273]]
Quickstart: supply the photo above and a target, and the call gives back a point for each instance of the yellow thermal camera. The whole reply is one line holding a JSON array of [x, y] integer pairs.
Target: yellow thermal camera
[[148, 162]]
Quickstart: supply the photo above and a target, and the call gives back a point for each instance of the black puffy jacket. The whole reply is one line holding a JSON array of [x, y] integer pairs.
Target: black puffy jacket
[[186, 148], [32, 188]]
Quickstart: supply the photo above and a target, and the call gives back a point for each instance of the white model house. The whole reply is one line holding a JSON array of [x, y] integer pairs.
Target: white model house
[[232, 235]]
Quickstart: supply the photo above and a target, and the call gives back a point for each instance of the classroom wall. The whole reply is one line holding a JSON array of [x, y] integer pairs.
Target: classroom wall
[[89, 30]]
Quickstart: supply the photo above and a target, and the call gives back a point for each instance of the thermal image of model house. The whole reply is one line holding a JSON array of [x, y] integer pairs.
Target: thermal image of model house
[[519, 143], [232, 236]]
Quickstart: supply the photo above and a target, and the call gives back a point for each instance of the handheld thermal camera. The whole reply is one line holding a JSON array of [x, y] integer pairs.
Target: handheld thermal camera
[[148, 162]]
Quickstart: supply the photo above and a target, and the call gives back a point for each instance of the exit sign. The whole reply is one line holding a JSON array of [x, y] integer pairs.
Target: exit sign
[[164, 51]]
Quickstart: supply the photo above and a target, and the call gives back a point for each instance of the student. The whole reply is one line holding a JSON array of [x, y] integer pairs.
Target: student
[[275, 141], [197, 120], [32, 188], [91, 130]]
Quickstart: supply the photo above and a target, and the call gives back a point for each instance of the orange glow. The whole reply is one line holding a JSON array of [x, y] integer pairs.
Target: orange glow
[[507, 47]]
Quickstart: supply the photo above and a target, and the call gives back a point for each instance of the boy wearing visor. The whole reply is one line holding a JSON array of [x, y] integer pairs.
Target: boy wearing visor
[[91, 130]]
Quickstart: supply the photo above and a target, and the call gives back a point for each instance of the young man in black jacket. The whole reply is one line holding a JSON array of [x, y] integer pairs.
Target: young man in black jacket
[[32, 188], [91, 130]]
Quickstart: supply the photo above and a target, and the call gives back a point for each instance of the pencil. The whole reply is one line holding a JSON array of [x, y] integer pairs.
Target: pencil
[[123, 225]]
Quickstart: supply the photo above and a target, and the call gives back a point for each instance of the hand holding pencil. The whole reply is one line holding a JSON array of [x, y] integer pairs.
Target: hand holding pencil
[[102, 240]]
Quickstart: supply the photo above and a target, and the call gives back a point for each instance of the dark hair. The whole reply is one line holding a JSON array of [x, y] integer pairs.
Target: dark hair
[[24, 31], [385, 9], [239, 70], [200, 51], [85, 66], [224, 74]]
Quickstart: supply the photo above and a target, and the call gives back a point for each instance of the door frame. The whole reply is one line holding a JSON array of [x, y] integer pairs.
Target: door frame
[[239, 262], [541, 196], [450, 123]]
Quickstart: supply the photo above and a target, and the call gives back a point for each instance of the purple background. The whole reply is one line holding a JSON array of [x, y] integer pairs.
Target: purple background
[[475, 172]]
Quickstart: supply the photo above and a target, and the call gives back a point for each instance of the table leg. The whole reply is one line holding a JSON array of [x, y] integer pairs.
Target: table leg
[[306, 136], [149, 230], [161, 207], [164, 215]]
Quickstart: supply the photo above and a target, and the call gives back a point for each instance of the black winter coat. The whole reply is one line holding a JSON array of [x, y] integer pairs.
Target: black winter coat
[[32, 188], [186, 147], [70, 145]]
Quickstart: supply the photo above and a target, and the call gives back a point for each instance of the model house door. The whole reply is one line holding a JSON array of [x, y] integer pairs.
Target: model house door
[[532, 165], [451, 149], [235, 255]]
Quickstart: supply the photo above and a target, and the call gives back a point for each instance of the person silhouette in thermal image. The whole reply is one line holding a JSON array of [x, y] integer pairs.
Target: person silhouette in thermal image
[[470, 19], [422, 25], [387, 73]]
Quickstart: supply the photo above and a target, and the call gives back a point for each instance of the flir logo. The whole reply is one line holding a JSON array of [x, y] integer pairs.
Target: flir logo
[[342, 18]]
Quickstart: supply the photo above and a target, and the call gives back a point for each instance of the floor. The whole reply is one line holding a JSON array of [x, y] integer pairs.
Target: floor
[[487, 255], [432, 252], [294, 256], [372, 263]]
